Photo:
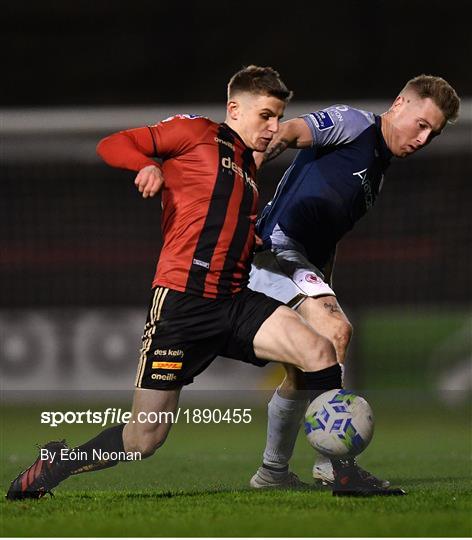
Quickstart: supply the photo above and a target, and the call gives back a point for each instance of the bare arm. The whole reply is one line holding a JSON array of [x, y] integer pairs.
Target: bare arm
[[293, 133]]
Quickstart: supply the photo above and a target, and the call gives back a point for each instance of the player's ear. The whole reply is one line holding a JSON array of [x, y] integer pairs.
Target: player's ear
[[399, 101], [233, 108]]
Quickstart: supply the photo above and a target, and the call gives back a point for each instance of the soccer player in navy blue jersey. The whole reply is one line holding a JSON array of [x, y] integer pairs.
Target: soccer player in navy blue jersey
[[333, 181]]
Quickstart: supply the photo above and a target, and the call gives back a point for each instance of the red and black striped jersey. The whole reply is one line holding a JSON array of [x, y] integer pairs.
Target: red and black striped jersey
[[209, 200]]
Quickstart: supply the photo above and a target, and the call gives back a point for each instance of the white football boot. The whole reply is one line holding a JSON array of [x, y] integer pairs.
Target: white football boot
[[268, 478], [323, 472]]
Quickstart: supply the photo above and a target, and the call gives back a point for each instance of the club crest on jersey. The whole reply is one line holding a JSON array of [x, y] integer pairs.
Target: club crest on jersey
[[313, 278], [323, 120], [184, 116]]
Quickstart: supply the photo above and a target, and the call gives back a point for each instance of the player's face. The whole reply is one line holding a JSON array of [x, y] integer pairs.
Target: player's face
[[414, 124], [255, 118]]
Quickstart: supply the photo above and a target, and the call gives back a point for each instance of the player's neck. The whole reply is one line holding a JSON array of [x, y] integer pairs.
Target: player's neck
[[386, 127], [234, 126]]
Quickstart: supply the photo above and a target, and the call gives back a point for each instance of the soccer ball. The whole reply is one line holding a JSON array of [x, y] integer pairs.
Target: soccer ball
[[339, 423]]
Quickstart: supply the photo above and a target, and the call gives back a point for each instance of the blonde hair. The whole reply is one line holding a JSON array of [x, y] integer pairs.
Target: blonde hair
[[440, 91]]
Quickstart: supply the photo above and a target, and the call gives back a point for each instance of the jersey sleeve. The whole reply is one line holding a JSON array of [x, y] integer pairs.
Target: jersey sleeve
[[178, 134], [338, 124], [134, 149]]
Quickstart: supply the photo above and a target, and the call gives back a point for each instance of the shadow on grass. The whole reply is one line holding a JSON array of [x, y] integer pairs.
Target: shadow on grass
[[169, 494]]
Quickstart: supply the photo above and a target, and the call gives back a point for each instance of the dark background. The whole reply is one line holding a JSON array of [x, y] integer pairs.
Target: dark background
[[147, 51]]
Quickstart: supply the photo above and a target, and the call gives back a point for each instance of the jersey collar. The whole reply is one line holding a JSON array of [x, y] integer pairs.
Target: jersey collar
[[236, 135], [384, 150]]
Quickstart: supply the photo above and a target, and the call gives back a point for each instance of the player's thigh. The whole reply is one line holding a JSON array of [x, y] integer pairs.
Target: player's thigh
[[152, 416], [326, 316], [286, 337]]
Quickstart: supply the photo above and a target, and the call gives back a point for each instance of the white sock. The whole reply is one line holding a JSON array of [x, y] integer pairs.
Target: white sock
[[284, 419], [321, 460]]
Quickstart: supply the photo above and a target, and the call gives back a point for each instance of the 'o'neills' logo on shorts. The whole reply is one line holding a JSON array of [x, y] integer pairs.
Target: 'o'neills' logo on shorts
[[160, 377], [167, 365]]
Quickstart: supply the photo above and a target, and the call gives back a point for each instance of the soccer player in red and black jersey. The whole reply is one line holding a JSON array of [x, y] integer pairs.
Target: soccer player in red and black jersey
[[200, 306]]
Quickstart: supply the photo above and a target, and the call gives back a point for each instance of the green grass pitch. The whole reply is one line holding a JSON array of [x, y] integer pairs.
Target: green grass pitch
[[197, 483]]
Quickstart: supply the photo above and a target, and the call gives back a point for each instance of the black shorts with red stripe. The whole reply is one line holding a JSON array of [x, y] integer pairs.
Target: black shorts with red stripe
[[184, 333]]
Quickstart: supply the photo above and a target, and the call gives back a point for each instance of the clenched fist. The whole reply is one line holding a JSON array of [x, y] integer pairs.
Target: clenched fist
[[149, 180]]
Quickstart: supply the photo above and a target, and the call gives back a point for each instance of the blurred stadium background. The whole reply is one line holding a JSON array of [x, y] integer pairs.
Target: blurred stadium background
[[79, 245]]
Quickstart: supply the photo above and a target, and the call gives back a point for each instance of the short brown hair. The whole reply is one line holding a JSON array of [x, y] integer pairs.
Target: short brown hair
[[259, 80], [440, 91]]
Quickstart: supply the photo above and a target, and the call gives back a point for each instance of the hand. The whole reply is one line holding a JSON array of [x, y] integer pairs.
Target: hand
[[149, 180], [258, 241]]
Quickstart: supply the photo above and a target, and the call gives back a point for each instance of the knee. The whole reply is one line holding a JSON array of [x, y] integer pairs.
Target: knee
[[146, 442], [342, 337]]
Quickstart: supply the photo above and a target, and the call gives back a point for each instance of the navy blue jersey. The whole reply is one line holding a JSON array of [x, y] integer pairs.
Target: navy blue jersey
[[329, 186]]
